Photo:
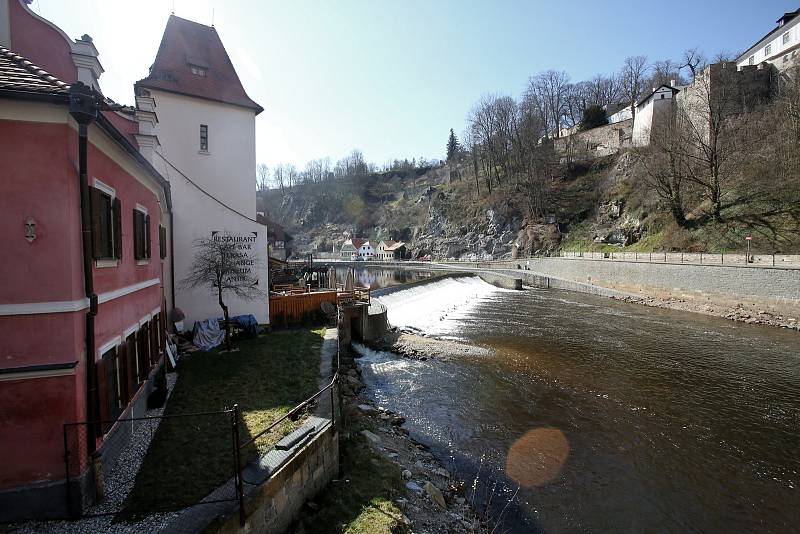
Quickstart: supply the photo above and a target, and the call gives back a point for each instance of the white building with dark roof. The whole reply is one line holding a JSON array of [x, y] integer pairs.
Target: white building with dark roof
[[651, 111], [779, 47], [197, 127]]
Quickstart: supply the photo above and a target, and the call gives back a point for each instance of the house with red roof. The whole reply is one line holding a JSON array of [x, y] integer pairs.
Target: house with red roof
[[197, 127], [86, 267], [102, 206]]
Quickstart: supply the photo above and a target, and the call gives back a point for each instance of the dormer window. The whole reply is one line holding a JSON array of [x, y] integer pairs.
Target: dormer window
[[198, 70]]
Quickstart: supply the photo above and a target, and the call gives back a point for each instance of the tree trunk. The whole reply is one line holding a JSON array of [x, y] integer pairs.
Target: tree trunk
[[226, 318]]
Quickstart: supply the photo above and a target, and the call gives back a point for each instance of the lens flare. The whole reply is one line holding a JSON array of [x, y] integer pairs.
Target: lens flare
[[537, 457]]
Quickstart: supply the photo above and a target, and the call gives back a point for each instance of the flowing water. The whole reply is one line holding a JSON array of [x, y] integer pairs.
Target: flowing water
[[601, 416]]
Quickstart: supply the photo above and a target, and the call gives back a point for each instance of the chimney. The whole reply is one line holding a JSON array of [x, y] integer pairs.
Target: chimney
[[84, 56], [672, 83]]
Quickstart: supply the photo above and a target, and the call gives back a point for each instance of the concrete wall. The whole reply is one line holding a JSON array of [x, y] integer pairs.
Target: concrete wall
[[275, 504], [777, 289], [197, 215]]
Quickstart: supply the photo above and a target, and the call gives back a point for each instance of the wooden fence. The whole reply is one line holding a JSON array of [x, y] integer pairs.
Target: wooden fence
[[295, 307]]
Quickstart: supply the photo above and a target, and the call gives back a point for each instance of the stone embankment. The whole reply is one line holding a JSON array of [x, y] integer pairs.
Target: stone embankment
[[435, 499]]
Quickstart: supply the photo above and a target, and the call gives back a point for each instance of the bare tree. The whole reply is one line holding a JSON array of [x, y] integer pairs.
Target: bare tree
[[693, 60], [604, 90], [665, 72], [225, 266], [633, 77], [549, 90], [667, 167], [262, 177]]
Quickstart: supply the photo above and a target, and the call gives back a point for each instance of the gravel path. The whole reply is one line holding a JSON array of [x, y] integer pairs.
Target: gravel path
[[118, 484]]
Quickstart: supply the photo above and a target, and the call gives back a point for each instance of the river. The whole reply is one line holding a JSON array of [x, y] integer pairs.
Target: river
[[601, 416]]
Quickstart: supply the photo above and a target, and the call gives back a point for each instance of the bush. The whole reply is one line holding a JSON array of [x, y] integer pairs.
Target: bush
[[593, 116]]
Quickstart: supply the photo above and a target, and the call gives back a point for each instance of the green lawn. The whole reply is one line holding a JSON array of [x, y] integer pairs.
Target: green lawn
[[361, 500], [190, 457]]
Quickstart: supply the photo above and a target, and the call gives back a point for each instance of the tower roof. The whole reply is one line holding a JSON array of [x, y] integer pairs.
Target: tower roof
[[192, 60]]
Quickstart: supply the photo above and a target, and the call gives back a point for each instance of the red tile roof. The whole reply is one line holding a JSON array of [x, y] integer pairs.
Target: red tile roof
[[186, 44], [20, 75]]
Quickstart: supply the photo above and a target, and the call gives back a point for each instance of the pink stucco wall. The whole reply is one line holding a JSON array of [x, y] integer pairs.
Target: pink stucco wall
[[40, 181]]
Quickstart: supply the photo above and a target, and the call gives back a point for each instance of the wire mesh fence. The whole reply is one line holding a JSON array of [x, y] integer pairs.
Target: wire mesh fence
[[150, 464]]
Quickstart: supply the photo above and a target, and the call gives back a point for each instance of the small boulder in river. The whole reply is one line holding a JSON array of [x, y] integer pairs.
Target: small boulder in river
[[435, 494]]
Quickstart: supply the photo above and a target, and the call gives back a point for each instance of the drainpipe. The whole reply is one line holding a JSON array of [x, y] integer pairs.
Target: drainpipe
[[83, 109]]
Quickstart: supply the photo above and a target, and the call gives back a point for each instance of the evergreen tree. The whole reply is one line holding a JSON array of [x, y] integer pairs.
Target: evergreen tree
[[453, 147], [593, 116]]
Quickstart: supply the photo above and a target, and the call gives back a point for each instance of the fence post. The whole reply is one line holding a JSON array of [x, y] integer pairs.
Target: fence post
[[773, 259], [67, 491], [238, 463], [722, 258]]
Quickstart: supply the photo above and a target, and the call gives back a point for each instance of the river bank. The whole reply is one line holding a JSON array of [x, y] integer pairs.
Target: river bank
[[431, 498], [740, 313]]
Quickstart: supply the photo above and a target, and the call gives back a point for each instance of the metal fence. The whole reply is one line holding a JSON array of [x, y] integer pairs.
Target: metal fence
[[696, 258], [135, 474], [148, 464]]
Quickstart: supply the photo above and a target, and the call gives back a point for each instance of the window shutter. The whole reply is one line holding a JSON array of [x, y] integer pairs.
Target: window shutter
[[95, 206], [162, 241], [130, 357], [117, 214], [147, 236], [122, 362], [136, 238], [102, 391]]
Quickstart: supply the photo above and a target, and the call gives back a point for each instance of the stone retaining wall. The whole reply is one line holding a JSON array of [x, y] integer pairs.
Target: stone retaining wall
[[777, 289], [273, 506]]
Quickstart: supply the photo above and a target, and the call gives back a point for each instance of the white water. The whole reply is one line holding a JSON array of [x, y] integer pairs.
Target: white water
[[433, 308]]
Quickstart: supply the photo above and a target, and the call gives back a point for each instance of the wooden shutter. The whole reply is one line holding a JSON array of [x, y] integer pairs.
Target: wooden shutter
[[117, 214], [122, 362], [130, 351], [147, 236], [138, 237], [102, 391], [97, 236], [162, 241]]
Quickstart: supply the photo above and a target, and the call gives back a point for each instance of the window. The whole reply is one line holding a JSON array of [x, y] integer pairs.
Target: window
[[110, 386], [785, 38], [106, 223], [198, 71], [162, 242], [204, 138], [751, 60], [768, 49], [141, 235]]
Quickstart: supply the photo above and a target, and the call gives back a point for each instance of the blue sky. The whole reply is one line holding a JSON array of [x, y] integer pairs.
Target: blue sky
[[392, 77]]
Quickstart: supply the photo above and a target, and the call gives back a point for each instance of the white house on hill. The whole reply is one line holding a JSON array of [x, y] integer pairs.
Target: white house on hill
[[779, 47], [651, 111]]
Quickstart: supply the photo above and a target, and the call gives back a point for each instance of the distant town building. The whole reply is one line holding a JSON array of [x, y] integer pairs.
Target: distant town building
[[779, 47], [350, 248], [391, 250], [279, 240]]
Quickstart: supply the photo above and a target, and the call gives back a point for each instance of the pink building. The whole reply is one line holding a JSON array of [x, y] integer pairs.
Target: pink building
[[86, 266]]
